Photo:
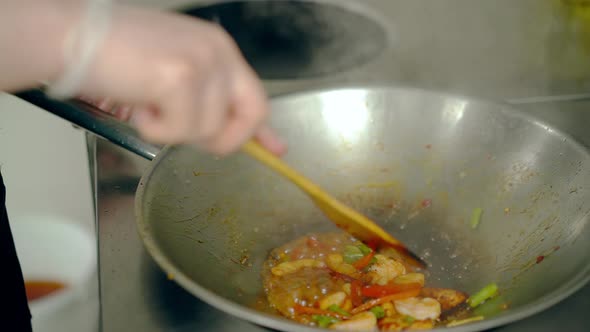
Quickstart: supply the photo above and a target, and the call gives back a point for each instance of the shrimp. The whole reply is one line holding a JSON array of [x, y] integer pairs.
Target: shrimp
[[365, 321], [384, 270], [294, 266], [419, 308]]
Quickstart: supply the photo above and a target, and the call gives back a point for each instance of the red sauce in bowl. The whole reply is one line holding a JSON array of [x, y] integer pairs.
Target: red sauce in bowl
[[37, 289]]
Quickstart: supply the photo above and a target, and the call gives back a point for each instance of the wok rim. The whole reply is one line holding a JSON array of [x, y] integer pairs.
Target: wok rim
[[575, 283]]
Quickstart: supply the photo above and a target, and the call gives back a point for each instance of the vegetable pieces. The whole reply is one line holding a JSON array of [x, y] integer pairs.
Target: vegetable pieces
[[476, 217], [356, 293], [482, 295], [364, 262], [359, 256], [335, 308], [378, 311], [352, 254], [340, 283], [324, 321]]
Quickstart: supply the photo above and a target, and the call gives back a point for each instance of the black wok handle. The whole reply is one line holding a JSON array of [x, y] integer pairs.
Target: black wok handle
[[94, 120]]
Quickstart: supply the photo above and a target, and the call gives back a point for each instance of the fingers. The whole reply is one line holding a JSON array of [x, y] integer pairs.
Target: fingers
[[148, 121], [188, 106], [214, 119], [271, 141], [123, 113], [187, 81], [107, 105], [246, 113]]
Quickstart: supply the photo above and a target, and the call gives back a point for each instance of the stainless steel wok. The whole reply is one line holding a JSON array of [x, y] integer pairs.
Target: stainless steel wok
[[209, 223]]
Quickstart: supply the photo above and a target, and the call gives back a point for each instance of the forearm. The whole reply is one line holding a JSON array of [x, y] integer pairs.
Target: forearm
[[32, 35]]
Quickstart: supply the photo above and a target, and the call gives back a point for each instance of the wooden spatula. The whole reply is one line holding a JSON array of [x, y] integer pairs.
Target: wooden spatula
[[342, 215]]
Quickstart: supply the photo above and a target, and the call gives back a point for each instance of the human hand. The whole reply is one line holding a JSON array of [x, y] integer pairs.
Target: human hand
[[184, 79], [122, 113]]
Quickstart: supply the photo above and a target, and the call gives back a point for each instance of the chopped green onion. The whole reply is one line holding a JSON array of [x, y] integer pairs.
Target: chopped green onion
[[335, 308], [364, 249], [378, 312], [409, 319], [373, 260], [324, 321], [476, 217], [352, 254], [464, 321], [482, 295]]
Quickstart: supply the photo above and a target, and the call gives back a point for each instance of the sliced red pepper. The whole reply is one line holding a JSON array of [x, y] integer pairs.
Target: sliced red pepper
[[374, 302], [356, 294], [303, 310], [373, 244], [389, 289], [363, 262]]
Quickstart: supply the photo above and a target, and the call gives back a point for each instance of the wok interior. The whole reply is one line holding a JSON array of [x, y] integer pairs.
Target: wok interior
[[385, 151]]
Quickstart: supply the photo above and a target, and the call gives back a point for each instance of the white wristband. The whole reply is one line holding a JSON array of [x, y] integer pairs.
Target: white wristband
[[80, 47]]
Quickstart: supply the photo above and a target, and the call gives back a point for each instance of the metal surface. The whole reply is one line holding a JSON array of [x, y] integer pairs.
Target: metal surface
[[501, 49], [373, 147], [298, 39], [137, 296]]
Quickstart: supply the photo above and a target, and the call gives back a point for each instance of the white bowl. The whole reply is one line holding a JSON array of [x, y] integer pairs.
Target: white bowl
[[51, 249]]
